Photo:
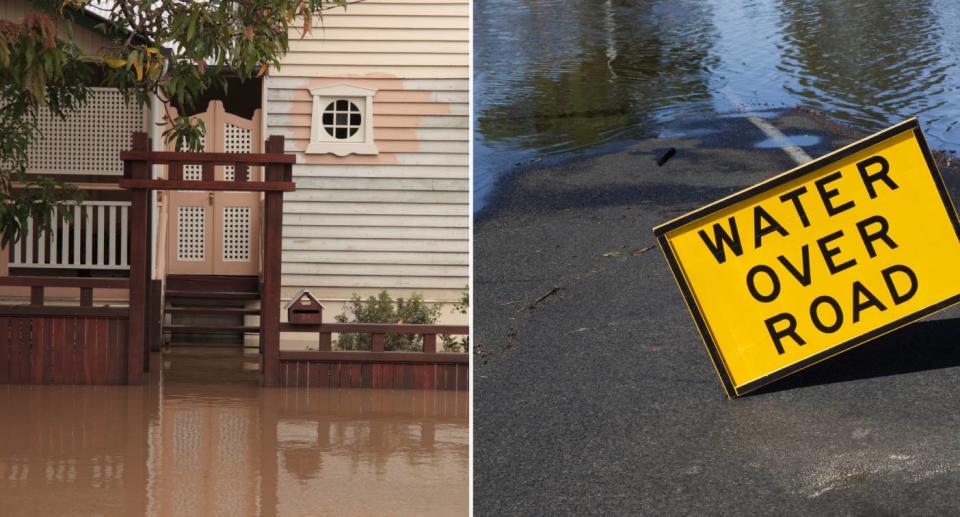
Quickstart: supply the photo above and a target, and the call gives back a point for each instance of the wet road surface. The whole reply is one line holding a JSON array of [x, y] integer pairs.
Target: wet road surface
[[201, 438], [600, 399], [560, 76]]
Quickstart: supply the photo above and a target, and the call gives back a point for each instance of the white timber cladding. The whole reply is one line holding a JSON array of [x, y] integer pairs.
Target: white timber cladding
[[89, 140], [397, 220]]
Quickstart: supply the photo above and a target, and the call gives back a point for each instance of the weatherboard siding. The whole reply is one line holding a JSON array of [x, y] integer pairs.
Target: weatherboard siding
[[398, 220]]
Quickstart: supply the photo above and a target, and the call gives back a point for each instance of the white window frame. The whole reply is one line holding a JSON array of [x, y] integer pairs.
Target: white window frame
[[320, 141]]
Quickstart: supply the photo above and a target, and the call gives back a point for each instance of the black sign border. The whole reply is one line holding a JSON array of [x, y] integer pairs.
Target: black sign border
[[660, 232]]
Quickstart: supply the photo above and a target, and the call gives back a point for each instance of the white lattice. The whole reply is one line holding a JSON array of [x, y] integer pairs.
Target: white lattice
[[191, 234], [235, 140], [236, 234], [88, 140], [195, 172]]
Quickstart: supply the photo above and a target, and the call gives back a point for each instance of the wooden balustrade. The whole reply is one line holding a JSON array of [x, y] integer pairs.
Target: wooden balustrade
[[38, 284], [376, 368], [377, 332], [95, 238], [60, 344]]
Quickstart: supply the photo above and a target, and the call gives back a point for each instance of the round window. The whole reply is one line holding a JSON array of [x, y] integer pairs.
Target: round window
[[341, 119]]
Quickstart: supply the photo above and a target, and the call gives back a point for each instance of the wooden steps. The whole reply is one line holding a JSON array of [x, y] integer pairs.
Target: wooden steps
[[202, 309], [211, 295], [210, 305], [213, 283], [211, 328]]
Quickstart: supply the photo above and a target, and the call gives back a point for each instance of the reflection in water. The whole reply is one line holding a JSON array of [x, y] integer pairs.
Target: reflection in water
[[557, 75], [867, 64], [589, 73], [178, 448]]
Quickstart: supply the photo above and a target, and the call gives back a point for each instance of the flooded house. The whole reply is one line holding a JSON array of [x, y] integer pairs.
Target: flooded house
[[351, 177], [373, 104]]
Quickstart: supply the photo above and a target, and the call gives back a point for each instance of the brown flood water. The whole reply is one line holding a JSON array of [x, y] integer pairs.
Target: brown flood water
[[200, 438]]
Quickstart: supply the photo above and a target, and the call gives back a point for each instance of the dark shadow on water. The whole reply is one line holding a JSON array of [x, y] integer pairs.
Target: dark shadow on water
[[922, 346]]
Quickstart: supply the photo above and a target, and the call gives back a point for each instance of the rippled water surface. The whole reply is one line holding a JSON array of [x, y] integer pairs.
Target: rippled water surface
[[554, 76], [208, 441]]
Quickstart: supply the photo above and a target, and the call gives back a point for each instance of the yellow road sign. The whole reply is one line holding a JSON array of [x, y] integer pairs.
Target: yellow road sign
[[819, 259]]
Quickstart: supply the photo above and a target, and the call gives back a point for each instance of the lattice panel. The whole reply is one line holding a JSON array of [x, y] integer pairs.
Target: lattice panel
[[235, 140], [191, 233], [236, 234], [195, 172], [90, 139]]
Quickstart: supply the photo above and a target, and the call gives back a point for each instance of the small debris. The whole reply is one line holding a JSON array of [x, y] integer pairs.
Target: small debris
[[666, 156], [613, 254], [553, 291], [581, 329], [640, 251], [510, 336]]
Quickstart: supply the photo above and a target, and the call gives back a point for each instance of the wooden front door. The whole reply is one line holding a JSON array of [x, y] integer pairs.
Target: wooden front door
[[217, 233]]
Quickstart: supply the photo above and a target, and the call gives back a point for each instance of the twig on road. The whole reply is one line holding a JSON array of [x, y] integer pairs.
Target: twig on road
[[553, 291]]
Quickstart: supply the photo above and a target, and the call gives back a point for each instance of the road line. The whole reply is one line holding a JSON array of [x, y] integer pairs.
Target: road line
[[793, 151]]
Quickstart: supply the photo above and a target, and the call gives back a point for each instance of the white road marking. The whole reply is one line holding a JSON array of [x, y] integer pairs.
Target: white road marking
[[793, 151]]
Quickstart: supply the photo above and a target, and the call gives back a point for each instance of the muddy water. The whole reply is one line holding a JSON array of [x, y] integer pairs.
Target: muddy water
[[562, 76], [207, 441]]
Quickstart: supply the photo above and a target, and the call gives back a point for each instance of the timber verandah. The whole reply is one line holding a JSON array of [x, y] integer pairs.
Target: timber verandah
[[89, 344]]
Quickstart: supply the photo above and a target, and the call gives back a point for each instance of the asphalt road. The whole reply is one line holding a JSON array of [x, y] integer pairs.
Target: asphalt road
[[600, 398]]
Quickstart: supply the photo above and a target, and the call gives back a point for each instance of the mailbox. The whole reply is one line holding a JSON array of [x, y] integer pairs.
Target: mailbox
[[304, 309]]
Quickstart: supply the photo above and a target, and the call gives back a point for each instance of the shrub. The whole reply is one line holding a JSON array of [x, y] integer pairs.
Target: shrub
[[383, 309], [450, 343]]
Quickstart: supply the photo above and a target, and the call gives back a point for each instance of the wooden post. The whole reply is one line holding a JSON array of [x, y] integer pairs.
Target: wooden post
[[155, 323], [377, 343], [139, 260], [270, 297], [241, 172], [148, 264], [326, 344], [36, 295], [430, 343], [86, 297]]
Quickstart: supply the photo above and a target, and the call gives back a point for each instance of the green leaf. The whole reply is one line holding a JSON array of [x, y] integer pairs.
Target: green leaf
[[192, 27]]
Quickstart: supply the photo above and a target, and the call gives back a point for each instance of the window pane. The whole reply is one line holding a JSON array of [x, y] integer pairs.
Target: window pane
[[341, 133], [354, 119], [353, 130], [341, 119], [342, 105], [328, 119]]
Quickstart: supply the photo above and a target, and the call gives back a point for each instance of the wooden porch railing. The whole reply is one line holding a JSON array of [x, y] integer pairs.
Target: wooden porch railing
[[97, 238], [59, 344], [376, 368], [38, 284]]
